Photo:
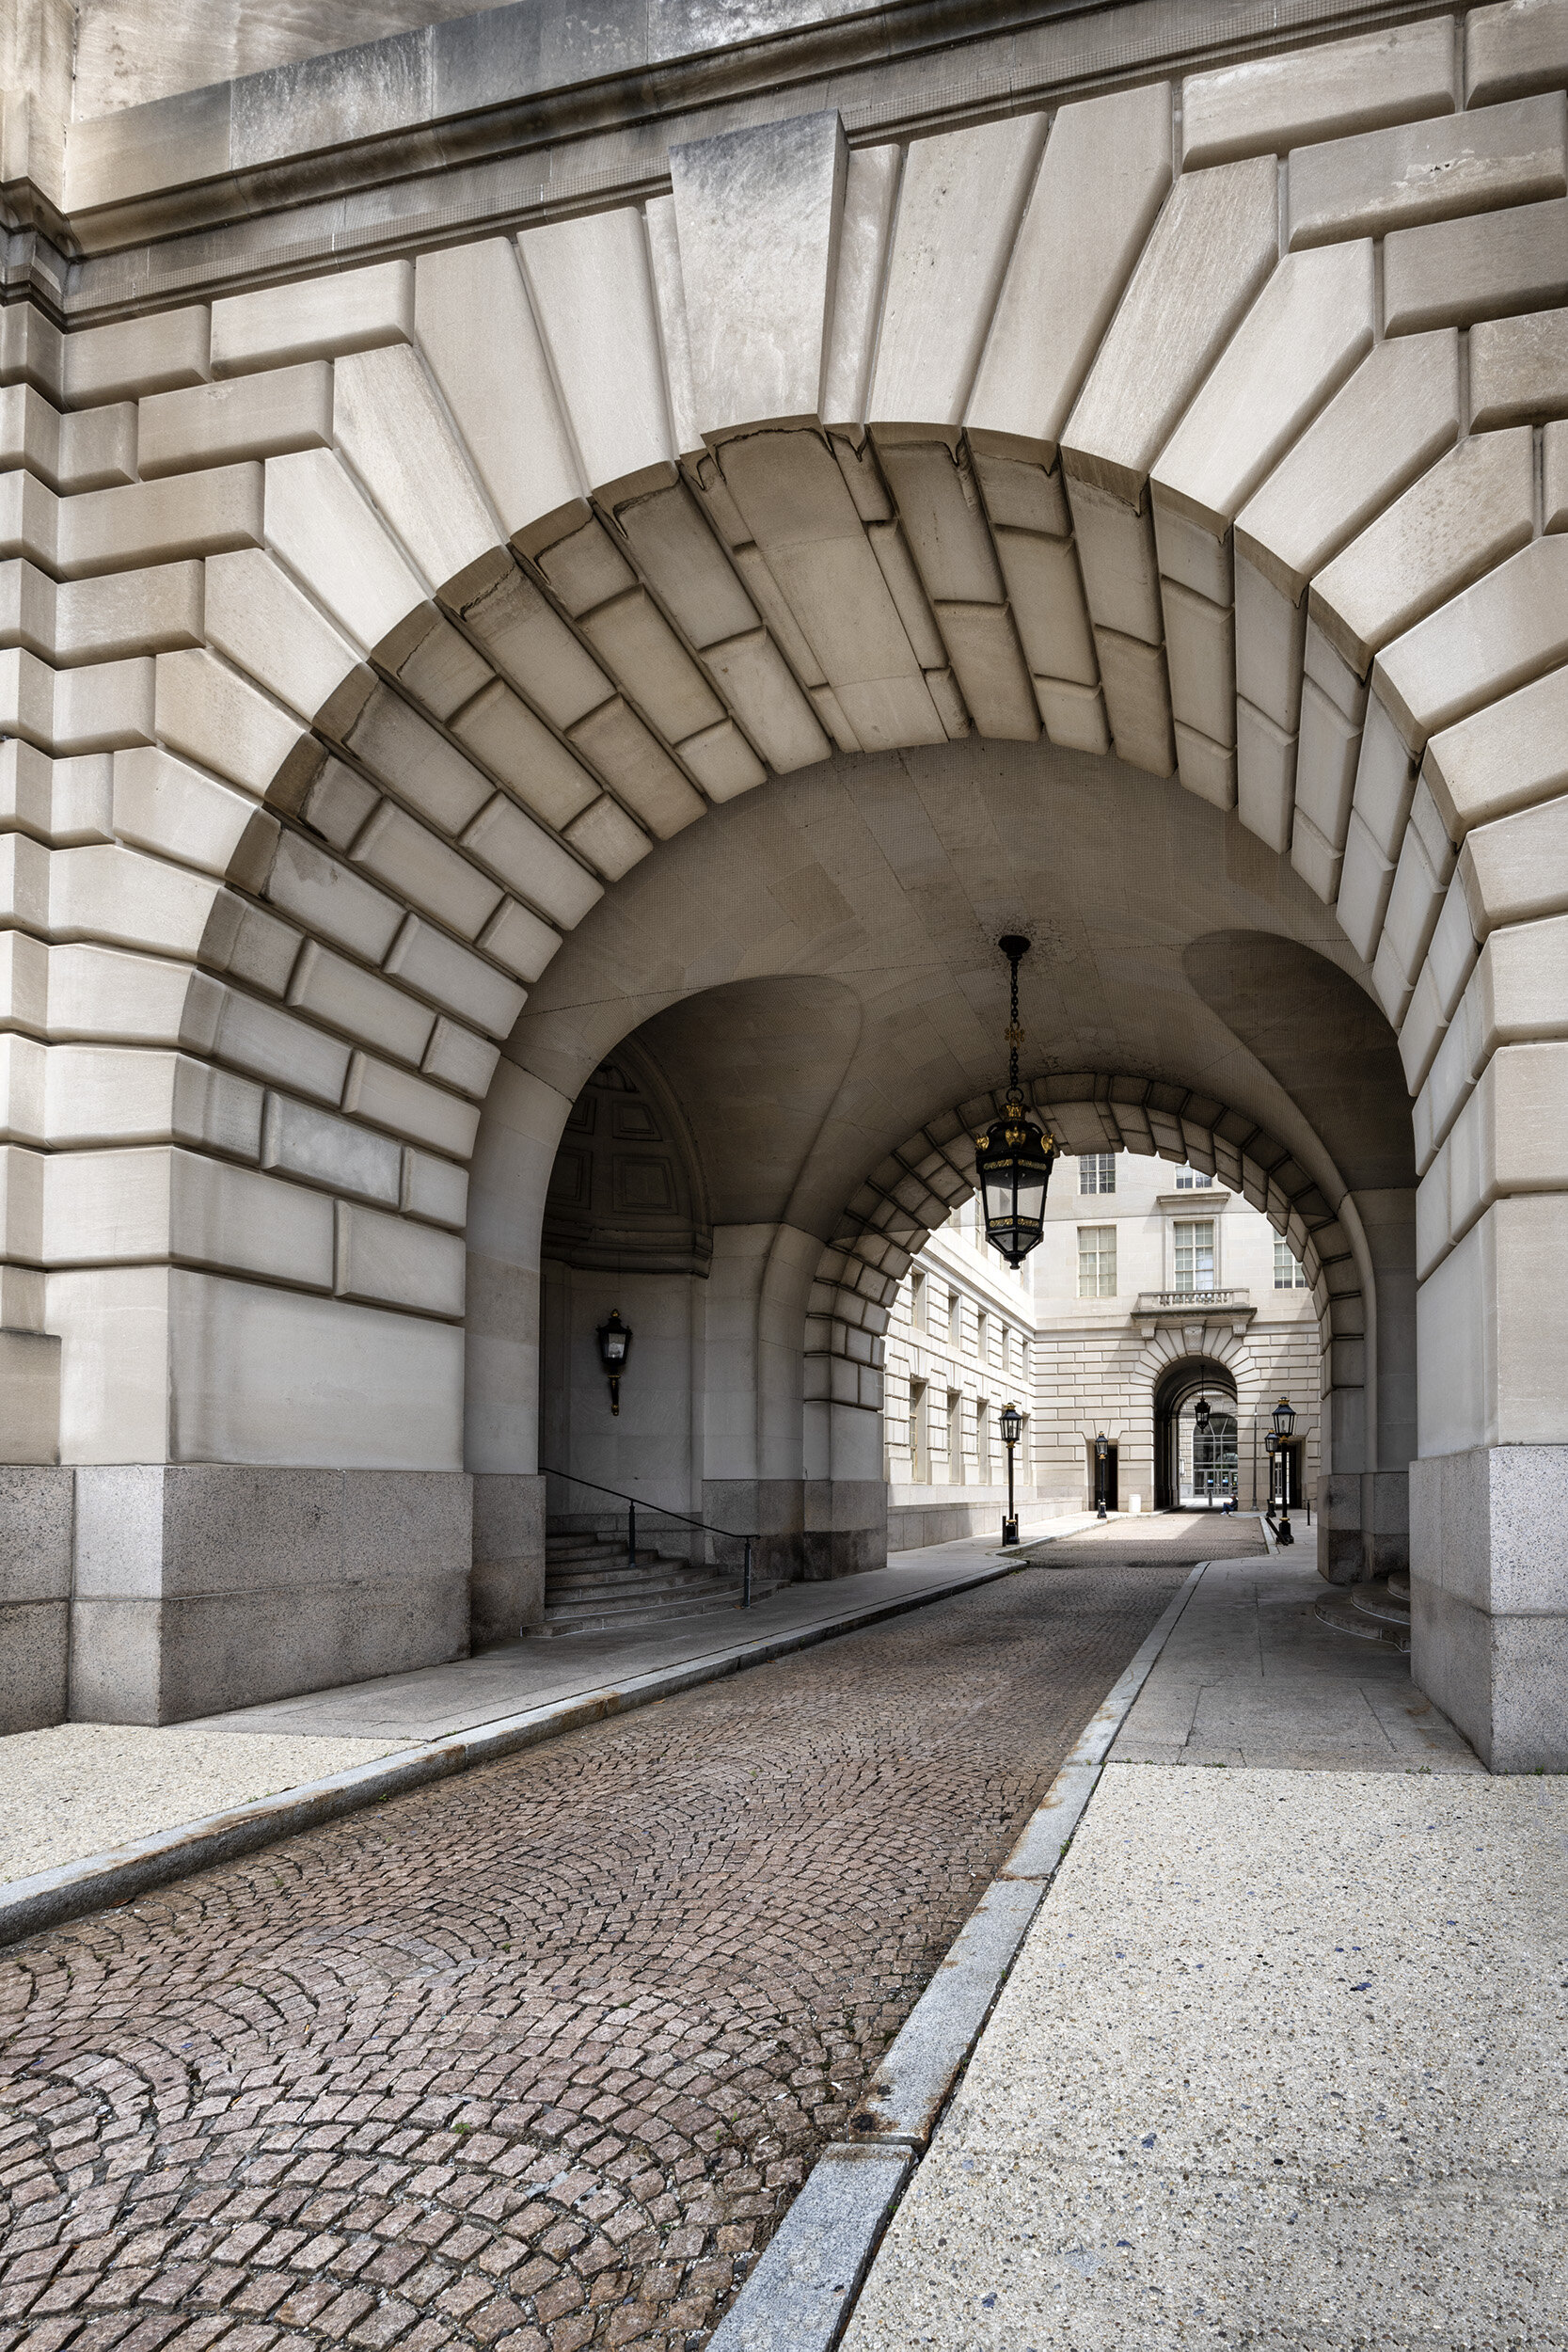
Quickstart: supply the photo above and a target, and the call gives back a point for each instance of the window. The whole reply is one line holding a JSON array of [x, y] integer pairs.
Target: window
[[1097, 1262], [917, 1301], [955, 1319], [1097, 1172], [955, 1439], [1191, 1179], [1289, 1272], [982, 1336], [982, 1444], [919, 1470], [1006, 1348], [1195, 1254]]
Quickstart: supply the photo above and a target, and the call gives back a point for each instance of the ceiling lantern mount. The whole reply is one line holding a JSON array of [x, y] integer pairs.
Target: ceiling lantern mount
[[1013, 1158]]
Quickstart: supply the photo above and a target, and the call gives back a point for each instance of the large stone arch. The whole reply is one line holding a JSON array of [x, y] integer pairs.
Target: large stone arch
[[378, 625]]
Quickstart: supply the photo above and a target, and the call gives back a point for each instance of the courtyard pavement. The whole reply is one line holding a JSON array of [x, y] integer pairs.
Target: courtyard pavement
[[1283, 2059], [536, 2057]]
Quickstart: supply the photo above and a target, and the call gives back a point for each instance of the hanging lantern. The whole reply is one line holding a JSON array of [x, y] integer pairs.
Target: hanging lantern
[[615, 1339], [1013, 1159], [1201, 1414]]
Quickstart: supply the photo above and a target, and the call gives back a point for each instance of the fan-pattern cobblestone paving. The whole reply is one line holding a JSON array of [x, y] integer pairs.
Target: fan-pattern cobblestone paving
[[535, 2060]]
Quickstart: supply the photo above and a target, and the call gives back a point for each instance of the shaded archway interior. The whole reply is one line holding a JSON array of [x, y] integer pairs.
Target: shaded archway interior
[[1191, 1377]]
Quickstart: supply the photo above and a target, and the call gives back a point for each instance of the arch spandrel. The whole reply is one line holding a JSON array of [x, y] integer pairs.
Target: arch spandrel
[[1053, 436]]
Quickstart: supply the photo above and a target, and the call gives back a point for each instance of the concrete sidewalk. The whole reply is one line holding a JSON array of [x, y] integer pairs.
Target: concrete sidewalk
[[86, 1793], [1282, 2059]]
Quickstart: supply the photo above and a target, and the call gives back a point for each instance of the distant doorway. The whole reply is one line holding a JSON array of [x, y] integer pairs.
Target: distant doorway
[[1197, 1460], [1110, 1478]]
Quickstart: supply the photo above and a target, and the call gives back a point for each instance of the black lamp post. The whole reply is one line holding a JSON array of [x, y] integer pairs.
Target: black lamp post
[[1101, 1449], [1202, 1416], [1012, 1429], [614, 1347], [1271, 1447], [1013, 1158], [1284, 1425]]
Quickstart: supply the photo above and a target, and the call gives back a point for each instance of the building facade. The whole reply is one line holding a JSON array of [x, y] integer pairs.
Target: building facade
[[649, 539]]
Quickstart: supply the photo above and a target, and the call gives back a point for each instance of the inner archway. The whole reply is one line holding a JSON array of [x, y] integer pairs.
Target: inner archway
[[1195, 1469]]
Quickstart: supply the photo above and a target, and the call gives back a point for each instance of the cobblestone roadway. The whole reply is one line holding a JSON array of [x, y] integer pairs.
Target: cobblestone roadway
[[535, 2060]]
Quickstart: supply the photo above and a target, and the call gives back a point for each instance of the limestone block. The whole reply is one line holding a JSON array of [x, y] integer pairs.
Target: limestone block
[[155, 522], [472, 322], [990, 670], [1074, 715], [636, 643], [128, 612], [1307, 330], [426, 958], [769, 598], [435, 1189], [1385, 779], [1265, 767], [356, 309], [29, 432], [722, 761], [23, 1080], [30, 1416], [410, 1107], [257, 617], [114, 894], [944, 520], [829, 710], [1269, 104], [639, 767], [1510, 754], [1510, 1136], [327, 535], [865, 217], [584, 566], [1365, 879], [1021, 496], [1513, 869], [528, 643], [1118, 558], [1385, 426], [664, 266], [518, 748], [1519, 370], [460, 1060], [1414, 904], [594, 298], [31, 349], [265, 1042], [387, 1260], [757, 214], [105, 704], [433, 663], [1432, 171], [1507, 629], [98, 448], [106, 1095], [1451, 957], [1105, 172], [1554, 483], [333, 1152], [904, 585], [1193, 555], [401, 750], [208, 712], [162, 804], [28, 697], [678, 555], [960, 205], [527, 858], [754, 679], [1519, 989], [1315, 859], [23, 983], [1515, 46], [354, 1001], [1271, 646], [390, 428], [1137, 701], [607, 834], [255, 416], [116, 1207], [135, 356], [330, 899], [1213, 247], [1205, 768], [424, 872], [1048, 607], [1453, 272], [1474, 507], [1200, 655], [517, 939]]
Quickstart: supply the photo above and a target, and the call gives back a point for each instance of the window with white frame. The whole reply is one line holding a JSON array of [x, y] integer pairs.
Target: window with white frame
[[982, 1336], [1289, 1272], [1097, 1172], [1195, 1254], [917, 1300], [1191, 1179], [982, 1443], [1097, 1262], [919, 1459]]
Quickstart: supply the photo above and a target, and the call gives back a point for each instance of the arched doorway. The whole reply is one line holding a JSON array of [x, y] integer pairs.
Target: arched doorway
[[1196, 1466]]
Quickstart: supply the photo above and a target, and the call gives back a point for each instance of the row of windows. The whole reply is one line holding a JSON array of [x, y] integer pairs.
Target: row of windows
[[922, 1404], [1097, 1172], [1195, 1259], [985, 1328]]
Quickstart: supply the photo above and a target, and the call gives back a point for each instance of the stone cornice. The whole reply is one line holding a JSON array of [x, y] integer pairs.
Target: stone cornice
[[487, 123]]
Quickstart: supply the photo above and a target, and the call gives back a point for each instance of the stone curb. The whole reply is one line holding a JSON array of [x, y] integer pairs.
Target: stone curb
[[105, 1881], [804, 2289]]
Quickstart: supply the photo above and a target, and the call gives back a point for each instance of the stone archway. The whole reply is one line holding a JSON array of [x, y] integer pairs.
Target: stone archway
[[1197, 1373], [461, 582]]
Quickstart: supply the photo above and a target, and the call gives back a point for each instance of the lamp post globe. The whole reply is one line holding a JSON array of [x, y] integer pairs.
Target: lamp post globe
[[1010, 1423]]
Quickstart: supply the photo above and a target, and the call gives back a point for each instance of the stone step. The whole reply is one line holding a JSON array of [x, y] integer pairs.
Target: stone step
[[626, 1592], [1398, 1584], [1339, 1612], [603, 1620], [1382, 1602]]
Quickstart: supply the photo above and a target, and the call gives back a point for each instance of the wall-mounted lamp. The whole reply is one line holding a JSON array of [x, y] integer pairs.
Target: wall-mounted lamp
[[614, 1347]]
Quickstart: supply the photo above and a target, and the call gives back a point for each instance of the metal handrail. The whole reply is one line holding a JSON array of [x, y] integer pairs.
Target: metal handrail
[[663, 1511]]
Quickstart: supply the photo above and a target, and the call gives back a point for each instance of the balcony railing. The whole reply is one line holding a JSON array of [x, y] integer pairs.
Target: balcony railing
[[1155, 1304]]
